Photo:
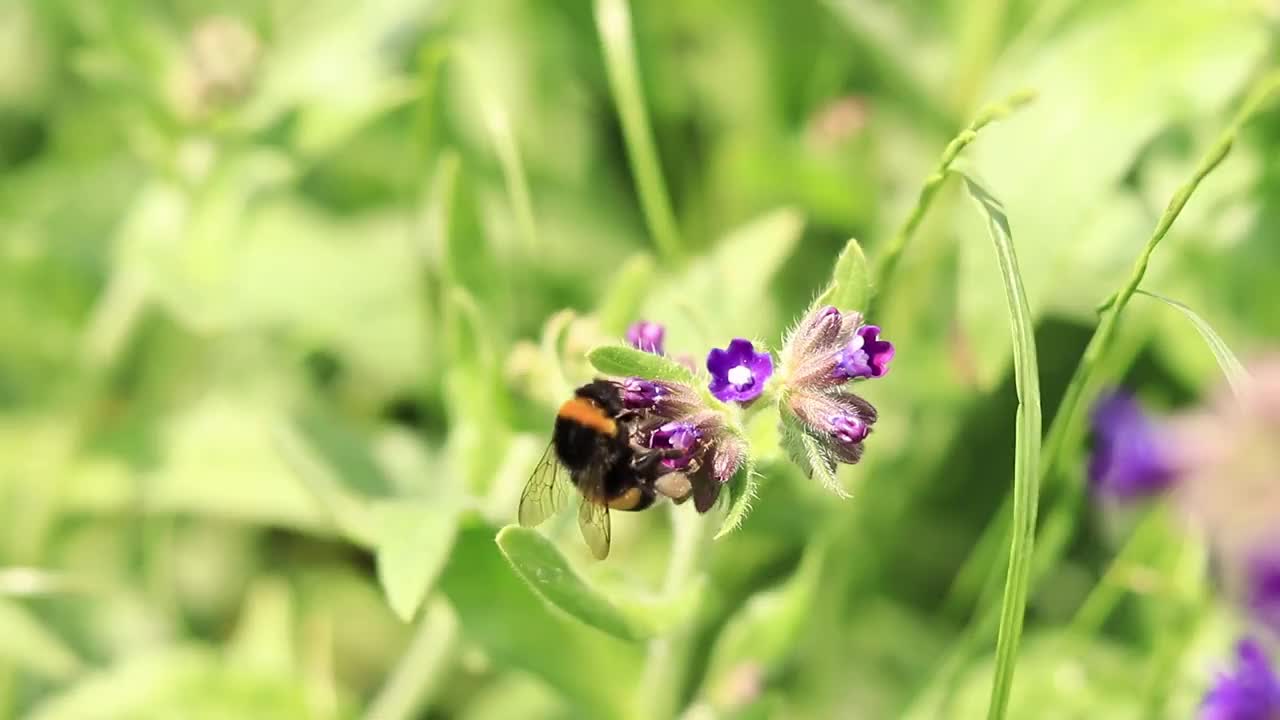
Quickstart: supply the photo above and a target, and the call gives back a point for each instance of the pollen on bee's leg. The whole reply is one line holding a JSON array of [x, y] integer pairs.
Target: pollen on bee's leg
[[675, 486]]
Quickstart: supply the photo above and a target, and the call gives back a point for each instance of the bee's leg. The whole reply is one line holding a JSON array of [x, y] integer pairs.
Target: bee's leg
[[646, 460]]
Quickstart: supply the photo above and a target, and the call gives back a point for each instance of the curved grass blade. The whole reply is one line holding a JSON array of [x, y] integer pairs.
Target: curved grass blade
[[892, 253], [1231, 367], [1026, 468], [547, 572]]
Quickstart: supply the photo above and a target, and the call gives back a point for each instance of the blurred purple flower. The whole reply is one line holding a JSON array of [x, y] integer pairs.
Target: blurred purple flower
[[866, 355], [1262, 582], [1131, 455], [1250, 692], [647, 336], [738, 373]]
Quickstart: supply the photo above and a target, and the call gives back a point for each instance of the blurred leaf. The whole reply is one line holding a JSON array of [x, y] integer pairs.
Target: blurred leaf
[[541, 565], [183, 682], [622, 361], [414, 543], [263, 640], [1235, 373], [29, 645], [761, 635], [725, 293], [1026, 468], [626, 292], [850, 287]]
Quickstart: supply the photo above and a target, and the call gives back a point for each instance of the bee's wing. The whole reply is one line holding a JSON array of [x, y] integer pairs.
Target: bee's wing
[[546, 492], [593, 521]]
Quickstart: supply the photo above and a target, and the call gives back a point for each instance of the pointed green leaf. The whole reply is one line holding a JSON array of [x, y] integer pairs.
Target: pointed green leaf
[[541, 565], [623, 361], [414, 542], [1231, 367], [1026, 469], [850, 287], [743, 488]]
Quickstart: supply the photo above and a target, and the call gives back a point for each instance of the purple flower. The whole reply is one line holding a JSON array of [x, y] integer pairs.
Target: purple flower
[[1252, 692], [682, 436], [1131, 457], [738, 373], [866, 355], [640, 394], [1262, 594], [646, 336]]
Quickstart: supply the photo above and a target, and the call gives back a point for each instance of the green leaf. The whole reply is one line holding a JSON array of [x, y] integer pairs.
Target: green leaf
[[413, 545], [1231, 367], [1026, 466], [502, 614], [743, 488], [541, 565], [623, 361], [809, 455], [850, 287]]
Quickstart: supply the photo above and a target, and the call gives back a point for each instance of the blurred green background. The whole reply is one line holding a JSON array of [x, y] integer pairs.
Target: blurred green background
[[289, 292]]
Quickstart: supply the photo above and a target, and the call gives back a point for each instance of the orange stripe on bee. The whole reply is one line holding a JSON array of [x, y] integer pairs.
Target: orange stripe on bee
[[586, 413], [627, 500]]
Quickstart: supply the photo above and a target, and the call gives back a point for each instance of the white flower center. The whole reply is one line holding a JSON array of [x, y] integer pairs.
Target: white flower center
[[740, 375]]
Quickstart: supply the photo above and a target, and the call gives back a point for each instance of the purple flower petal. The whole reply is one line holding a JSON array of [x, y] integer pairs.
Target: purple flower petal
[[1251, 692], [866, 355], [738, 373], [640, 394], [1130, 456], [646, 336], [682, 436]]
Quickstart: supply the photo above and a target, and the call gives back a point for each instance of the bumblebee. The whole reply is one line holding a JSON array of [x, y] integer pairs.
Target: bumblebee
[[593, 443]]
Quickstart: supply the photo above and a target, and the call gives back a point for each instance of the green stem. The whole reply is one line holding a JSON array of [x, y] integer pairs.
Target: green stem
[[613, 20], [419, 672], [662, 679], [508, 151], [1106, 594], [887, 265]]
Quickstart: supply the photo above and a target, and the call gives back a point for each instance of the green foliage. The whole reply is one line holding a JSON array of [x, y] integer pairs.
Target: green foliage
[[290, 293]]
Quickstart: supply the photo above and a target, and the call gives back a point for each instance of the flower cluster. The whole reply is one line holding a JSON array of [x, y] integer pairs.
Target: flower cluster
[[701, 452], [825, 352], [672, 418], [1220, 464]]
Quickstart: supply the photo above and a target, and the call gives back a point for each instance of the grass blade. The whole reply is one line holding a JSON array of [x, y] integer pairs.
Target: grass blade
[[1231, 367], [889, 257], [613, 19], [1026, 468], [508, 151], [1067, 428]]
